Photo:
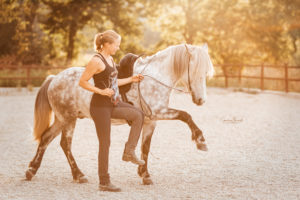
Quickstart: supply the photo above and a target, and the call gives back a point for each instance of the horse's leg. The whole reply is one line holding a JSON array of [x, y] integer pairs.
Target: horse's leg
[[173, 114], [148, 129], [46, 138], [66, 143]]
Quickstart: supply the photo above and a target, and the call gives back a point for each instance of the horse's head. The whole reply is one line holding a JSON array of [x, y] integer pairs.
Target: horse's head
[[199, 67]]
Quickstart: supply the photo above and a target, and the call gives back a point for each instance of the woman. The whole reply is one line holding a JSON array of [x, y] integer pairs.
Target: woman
[[106, 104]]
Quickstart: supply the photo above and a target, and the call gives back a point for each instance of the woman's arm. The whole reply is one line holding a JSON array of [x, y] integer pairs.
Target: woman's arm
[[132, 79], [93, 67]]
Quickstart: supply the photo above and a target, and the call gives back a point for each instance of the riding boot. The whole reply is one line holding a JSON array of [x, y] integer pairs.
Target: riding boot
[[129, 155]]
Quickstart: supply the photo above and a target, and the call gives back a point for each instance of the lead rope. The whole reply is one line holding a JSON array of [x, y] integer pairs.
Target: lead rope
[[141, 98]]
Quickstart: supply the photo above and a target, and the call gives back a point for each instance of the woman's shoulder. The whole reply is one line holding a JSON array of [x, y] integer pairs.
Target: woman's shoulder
[[96, 62]]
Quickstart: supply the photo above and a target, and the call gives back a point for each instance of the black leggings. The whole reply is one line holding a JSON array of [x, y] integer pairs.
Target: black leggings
[[102, 117]]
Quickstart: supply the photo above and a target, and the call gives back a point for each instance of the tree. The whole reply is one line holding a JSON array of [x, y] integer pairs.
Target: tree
[[8, 24], [269, 24], [67, 18], [20, 30], [125, 17], [282, 23], [237, 31]]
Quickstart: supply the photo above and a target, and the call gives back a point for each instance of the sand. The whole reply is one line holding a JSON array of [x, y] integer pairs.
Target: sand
[[253, 141]]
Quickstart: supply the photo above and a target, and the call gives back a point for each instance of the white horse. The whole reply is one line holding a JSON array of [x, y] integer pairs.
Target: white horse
[[62, 95]]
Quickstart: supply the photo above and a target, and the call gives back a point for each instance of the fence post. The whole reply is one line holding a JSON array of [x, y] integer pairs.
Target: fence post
[[28, 76], [225, 73], [240, 76], [262, 77], [286, 78]]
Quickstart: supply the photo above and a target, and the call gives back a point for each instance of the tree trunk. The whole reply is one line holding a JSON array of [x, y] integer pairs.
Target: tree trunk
[[71, 39], [188, 33]]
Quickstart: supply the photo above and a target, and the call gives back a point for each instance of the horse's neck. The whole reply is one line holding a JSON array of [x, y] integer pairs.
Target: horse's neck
[[160, 69], [156, 87]]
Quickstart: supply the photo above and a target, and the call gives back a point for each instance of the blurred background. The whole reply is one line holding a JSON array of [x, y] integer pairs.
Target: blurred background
[[252, 43]]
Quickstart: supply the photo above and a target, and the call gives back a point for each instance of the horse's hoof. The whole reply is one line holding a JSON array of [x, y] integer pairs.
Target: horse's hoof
[[29, 175], [202, 146], [147, 181], [81, 179]]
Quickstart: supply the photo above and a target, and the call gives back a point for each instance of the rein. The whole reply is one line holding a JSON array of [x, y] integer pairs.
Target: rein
[[173, 88]]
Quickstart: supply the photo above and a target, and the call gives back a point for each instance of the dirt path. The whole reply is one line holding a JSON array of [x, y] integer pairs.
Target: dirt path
[[253, 141]]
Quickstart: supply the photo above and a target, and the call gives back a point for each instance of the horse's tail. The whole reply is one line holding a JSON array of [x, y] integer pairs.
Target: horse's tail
[[42, 110]]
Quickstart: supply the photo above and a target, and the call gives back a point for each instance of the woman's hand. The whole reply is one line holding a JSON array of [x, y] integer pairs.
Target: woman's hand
[[131, 79], [107, 92], [137, 78]]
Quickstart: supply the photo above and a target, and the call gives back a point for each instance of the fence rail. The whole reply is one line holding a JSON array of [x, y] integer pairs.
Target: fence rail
[[28, 69], [262, 75], [226, 74]]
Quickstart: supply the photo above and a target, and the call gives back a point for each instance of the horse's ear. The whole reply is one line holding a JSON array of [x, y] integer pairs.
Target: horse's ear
[[205, 47]]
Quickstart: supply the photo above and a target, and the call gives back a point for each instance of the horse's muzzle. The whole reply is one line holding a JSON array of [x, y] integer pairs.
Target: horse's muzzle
[[198, 102]]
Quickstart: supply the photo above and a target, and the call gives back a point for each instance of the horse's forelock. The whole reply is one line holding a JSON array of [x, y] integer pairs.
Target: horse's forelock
[[205, 66], [210, 70], [201, 65]]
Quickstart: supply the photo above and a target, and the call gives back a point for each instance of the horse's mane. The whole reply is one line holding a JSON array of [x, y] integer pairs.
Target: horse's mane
[[177, 56]]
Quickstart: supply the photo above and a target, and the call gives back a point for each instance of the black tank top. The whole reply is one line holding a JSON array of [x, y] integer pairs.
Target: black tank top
[[102, 80]]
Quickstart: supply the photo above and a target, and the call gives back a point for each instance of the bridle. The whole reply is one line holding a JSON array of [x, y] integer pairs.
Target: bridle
[[173, 88]]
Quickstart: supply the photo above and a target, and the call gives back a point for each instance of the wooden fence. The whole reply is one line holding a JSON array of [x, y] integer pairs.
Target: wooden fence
[[238, 74], [28, 77], [228, 71]]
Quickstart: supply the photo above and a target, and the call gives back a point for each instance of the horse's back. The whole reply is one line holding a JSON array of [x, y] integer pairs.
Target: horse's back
[[67, 99], [70, 101]]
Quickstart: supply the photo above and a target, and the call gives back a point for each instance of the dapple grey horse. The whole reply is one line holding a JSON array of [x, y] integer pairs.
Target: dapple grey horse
[[61, 95]]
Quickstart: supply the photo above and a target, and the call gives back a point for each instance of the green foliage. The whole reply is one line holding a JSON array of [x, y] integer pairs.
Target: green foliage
[[7, 44], [54, 31], [237, 31], [67, 18]]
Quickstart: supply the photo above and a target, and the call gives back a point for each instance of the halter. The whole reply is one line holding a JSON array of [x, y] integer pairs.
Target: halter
[[173, 88]]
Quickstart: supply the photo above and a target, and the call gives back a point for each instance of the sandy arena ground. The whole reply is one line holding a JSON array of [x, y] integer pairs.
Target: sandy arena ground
[[253, 141]]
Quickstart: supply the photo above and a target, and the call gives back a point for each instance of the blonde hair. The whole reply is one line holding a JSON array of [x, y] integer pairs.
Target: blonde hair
[[108, 36]]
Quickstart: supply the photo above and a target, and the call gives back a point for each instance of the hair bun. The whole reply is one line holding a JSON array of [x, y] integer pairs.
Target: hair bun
[[106, 37]]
